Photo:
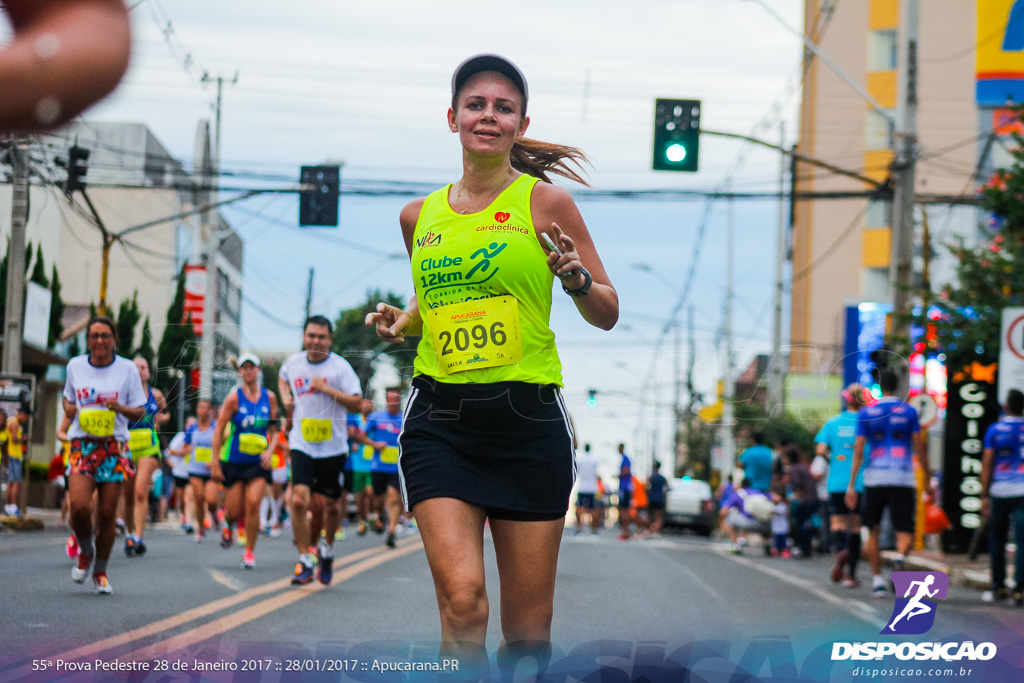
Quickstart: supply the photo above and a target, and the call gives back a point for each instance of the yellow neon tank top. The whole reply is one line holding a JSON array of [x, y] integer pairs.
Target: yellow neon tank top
[[460, 258]]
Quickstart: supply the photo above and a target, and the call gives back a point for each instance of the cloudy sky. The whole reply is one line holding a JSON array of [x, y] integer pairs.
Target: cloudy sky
[[367, 84]]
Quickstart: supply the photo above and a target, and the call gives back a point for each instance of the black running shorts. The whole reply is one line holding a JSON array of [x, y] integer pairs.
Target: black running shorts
[[235, 472], [505, 446], [321, 475], [901, 501]]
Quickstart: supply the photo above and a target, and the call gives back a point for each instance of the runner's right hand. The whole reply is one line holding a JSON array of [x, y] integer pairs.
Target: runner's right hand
[[390, 322]]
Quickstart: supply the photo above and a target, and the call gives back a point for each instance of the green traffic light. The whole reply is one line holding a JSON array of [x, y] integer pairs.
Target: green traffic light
[[675, 153]]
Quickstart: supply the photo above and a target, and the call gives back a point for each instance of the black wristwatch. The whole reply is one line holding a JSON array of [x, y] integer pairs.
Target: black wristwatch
[[582, 291]]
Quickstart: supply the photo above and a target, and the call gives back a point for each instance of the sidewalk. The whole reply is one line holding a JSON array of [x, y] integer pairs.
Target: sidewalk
[[961, 571]]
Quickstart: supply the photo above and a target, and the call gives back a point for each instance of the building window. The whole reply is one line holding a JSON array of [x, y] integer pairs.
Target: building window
[[877, 132], [882, 50], [878, 215]]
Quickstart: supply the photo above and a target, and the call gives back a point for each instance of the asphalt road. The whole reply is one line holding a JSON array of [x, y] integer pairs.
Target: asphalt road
[[616, 602]]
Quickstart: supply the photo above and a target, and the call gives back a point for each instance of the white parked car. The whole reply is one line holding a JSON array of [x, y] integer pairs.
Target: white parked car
[[689, 504]]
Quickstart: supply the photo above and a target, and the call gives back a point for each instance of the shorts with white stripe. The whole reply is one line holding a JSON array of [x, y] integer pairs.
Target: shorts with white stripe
[[505, 446]]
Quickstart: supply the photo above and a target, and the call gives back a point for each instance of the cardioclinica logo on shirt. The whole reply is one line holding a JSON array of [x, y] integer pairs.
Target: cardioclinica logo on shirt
[[917, 596]]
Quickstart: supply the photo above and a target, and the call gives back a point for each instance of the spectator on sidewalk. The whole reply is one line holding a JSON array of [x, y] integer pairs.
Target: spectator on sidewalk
[[757, 463], [737, 511], [780, 522], [805, 492], [1002, 495]]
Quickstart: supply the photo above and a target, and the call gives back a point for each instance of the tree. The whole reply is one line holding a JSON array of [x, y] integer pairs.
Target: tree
[[146, 344], [128, 317], [361, 346], [57, 307], [178, 350], [965, 323], [38, 275]]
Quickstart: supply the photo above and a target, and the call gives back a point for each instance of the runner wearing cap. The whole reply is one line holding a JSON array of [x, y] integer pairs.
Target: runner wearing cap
[[835, 442], [317, 387], [486, 435], [102, 393], [244, 467]]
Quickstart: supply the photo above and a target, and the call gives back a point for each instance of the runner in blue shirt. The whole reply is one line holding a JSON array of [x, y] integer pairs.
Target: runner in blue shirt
[[1002, 478], [383, 427], [890, 432], [360, 459], [625, 493], [835, 442]]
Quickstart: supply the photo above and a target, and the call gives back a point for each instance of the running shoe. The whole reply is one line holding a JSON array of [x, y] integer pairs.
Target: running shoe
[[303, 574], [998, 595], [786, 554], [878, 589], [851, 582], [362, 529], [241, 537], [837, 567], [188, 529], [119, 528], [140, 547], [248, 560], [378, 526], [71, 547], [390, 542], [81, 568], [200, 535], [1018, 599], [314, 554], [226, 540], [339, 535], [275, 531], [625, 537], [899, 565], [326, 571], [129, 546], [100, 584]]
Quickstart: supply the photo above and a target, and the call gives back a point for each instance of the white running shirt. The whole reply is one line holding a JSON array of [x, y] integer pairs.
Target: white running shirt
[[90, 387], [319, 423], [586, 472]]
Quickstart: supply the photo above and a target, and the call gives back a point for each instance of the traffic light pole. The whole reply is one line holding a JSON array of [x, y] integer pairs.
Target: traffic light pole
[[13, 330]]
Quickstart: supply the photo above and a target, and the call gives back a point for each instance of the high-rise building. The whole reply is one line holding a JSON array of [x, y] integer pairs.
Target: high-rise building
[[841, 247]]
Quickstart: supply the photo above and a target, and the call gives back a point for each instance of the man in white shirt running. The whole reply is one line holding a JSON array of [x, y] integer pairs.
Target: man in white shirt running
[[318, 388]]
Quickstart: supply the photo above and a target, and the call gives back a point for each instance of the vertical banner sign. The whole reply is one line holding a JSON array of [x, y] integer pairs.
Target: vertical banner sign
[[1011, 352], [195, 296], [999, 56], [972, 407]]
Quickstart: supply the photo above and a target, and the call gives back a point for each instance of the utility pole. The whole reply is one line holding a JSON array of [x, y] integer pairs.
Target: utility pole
[[677, 412], [903, 171], [15, 303], [690, 455], [211, 248], [728, 443], [776, 370], [309, 293]]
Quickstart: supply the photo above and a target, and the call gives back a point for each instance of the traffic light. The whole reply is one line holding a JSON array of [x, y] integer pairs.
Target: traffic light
[[676, 135], [318, 206], [592, 398], [78, 167]]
